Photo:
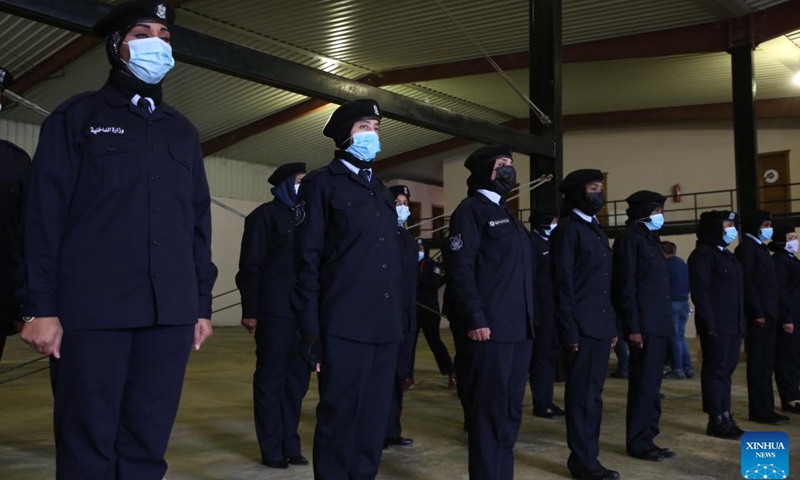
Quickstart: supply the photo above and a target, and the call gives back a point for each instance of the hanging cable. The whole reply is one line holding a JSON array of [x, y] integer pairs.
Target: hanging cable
[[543, 117]]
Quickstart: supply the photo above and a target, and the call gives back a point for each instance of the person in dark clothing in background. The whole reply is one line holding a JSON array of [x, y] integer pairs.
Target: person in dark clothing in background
[[716, 285], [489, 264], [408, 262], [585, 318], [430, 279], [678, 347], [15, 167], [542, 371], [348, 295], [761, 309], [787, 352], [265, 279], [642, 302]]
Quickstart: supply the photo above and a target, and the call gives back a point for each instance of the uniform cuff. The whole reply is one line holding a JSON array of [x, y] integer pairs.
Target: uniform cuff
[[205, 308], [478, 320], [39, 305]]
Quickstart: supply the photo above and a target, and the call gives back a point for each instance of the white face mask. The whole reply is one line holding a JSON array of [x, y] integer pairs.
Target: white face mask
[[296, 188], [791, 246], [402, 214]]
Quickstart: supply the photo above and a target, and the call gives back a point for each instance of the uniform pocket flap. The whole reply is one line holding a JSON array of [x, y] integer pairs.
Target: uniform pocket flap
[[181, 156]]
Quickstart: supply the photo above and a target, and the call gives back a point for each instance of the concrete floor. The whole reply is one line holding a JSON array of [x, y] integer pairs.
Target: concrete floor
[[214, 436]]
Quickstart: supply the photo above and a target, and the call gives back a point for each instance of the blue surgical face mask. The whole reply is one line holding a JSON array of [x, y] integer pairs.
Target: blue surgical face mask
[[730, 235], [656, 221], [766, 234], [402, 214], [420, 256], [366, 146], [548, 230], [151, 59]]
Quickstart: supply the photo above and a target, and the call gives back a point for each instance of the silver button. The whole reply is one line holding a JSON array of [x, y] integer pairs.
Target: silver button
[[386, 295]]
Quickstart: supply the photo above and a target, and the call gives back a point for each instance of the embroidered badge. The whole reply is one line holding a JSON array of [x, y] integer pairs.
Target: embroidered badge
[[456, 243], [375, 108], [105, 130], [494, 223], [161, 11], [299, 213]]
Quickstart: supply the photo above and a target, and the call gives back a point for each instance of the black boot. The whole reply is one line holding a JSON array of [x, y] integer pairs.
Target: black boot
[[717, 427], [736, 432]]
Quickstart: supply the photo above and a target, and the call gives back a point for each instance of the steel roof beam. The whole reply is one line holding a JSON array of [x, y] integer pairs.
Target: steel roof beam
[[229, 58]]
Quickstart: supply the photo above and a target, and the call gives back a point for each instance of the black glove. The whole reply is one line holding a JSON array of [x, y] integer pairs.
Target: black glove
[[311, 351]]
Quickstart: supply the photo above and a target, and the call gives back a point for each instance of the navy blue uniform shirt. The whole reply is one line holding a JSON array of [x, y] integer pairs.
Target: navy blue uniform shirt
[[715, 280], [266, 263], [15, 167], [760, 280], [678, 279], [582, 280], [118, 224], [787, 269], [489, 267], [349, 276], [544, 303], [640, 282]]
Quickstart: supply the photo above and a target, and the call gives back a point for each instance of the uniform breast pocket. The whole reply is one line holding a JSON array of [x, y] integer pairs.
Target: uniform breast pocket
[[180, 171], [722, 271], [111, 163], [500, 237], [345, 212]]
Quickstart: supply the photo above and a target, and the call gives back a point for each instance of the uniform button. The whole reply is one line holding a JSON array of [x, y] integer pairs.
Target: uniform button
[[605, 274], [604, 310], [110, 147], [377, 214], [155, 210], [604, 292], [155, 242], [386, 295], [155, 275], [152, 149], [381, 239], [385, 266], [154, 178], [349, 204], [371, 193]]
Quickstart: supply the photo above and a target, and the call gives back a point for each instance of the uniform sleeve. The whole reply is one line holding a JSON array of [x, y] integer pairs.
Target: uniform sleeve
[[309, 245], [562, 252], [752, 301], [23, 170], [53, 177], [251, 262], [625, 267], [464, 245], [700, 273], [784, 304], [204, 268]]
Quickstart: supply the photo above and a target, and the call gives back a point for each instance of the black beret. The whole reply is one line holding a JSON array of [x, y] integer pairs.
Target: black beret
[[285, 171], [543, 215], [342, 119], [126, 14], [489, 153], [646, 197], [398, 190], [6, 79], [579, 179], [719, 216], [780, 230]]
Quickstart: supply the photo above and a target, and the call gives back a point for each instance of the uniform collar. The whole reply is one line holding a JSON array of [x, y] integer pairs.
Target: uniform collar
[[340, 166], [115, 98], [754, 238], [493, 196], [586, 218]]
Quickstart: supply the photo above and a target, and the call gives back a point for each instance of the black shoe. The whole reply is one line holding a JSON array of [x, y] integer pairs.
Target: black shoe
[[652, 456], [543, 412], [772, 419], [718, 427], [276, 463], [787, 407], [397, 441], [557, 411], [689, 373], [620, 375], [610, 474], [297, 460], [665, 453]]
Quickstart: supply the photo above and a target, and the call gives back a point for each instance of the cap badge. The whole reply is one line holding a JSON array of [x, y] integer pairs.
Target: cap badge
[[732, 216], [161, 11], [375, 108]]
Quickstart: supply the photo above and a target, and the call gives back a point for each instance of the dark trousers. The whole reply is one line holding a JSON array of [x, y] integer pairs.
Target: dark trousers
[[497, 376], [430, 324], [355, 389], [116, 394], [404, 355], [623, 357], [760, 347], [586, 375], [644, 400], [542, 371], [461, 363], [787, 365], [720, 355], [279, 384]]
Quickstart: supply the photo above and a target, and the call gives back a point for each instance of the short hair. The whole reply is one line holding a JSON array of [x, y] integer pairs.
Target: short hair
[[669, 248]]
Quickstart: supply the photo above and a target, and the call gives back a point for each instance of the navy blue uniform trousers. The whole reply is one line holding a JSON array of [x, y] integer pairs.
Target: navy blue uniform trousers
[[279, 384], [355, 389], [586, 375], [542, 371], [116, 394], [497, 377], [760, 344], [404, 370], [787, 365], [644, 394], [720, 355]]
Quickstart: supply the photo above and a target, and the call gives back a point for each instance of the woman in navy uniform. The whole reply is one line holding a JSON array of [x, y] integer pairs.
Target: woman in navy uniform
[[642, 303], [265, 280], [761, 309], [716, 285], [585, 318], [542, 371], [784, 246], [348, 295], [429, 281], [118, 253], [408, 262], [489, 263], [15, 167]]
